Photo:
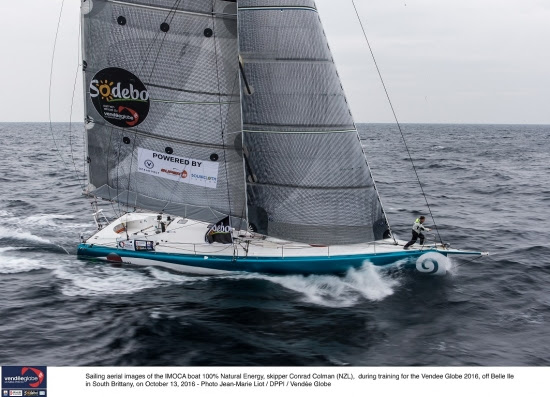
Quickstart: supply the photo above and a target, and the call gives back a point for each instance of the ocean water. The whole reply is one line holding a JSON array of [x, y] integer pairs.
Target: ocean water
[[488, 187]]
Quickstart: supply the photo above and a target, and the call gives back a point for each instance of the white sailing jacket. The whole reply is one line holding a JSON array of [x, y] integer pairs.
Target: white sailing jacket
[[418, 227]]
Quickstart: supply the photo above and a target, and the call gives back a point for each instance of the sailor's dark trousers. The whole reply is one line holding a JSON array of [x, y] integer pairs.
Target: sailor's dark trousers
[[415, 237]]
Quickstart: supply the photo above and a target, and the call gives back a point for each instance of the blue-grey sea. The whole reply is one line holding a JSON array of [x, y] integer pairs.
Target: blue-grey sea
[[489, 190]]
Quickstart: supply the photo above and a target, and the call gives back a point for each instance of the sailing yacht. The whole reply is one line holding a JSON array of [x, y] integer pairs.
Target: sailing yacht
[[222, 129]]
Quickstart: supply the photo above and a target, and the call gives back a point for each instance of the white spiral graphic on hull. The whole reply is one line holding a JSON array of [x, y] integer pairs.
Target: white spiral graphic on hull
[[433, 263]]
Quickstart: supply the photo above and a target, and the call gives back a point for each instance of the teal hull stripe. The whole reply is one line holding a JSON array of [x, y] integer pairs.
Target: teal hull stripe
[[276, 265]]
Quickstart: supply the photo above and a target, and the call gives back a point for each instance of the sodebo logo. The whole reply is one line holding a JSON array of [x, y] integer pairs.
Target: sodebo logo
[[109, 93], [220, 229], [119, 97]]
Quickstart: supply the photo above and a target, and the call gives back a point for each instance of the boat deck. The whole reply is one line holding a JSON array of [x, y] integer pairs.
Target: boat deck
[[185, 236]]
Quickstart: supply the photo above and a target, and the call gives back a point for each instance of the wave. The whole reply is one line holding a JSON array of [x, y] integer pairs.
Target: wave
[[28, 229], [368, 282], [542, 249], [446, 167], [45, 219], [530, 316], [101, 280], [55, 221], [9, 234], [175, 278], [13, 265], [7, 249], [18, 204]]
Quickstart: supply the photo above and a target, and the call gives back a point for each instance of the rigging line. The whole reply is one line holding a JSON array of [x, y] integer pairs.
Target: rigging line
[[177, 182], [72, 103], [149, 49], [108, 155], [50, 86], [129, 176], [171, 14], [91, 60], [117, 175], [245, 165], [241, 68], [475, 259], [363, 151], [223, 128], [222, 125], [172, 10], [243, 209], [147, 52], [377, 192], [174, 6], [87, 167], [396, 119]]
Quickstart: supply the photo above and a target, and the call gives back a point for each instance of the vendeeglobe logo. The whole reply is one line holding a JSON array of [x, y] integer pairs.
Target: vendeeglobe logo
[[23, 377]]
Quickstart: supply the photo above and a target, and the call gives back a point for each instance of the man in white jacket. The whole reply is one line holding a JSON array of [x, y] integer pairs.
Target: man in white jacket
[[417, 230]]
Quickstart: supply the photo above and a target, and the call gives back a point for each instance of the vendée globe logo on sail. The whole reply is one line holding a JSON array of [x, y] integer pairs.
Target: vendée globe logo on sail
[[119, 97]]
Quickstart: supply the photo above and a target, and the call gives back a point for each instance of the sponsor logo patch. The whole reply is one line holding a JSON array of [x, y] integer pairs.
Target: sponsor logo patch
[[119, 97], [185, 170], [19, 381]]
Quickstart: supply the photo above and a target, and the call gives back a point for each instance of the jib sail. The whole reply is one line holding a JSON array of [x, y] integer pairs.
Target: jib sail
[[162, 105]]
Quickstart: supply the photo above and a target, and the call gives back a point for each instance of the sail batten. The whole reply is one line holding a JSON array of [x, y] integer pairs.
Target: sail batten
[[280, 8], [170, 8], [287, 60], [169, 139], [289, 130], [193, 92], [305, 187]]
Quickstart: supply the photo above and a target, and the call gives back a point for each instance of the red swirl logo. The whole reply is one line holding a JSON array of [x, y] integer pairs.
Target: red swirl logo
[[37, 372]]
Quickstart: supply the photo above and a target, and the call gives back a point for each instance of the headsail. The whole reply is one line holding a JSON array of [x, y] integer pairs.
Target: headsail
[[307, 177], [162, 105]]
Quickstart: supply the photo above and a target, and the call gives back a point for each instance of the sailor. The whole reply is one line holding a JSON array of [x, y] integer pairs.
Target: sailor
[[417, 230]]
